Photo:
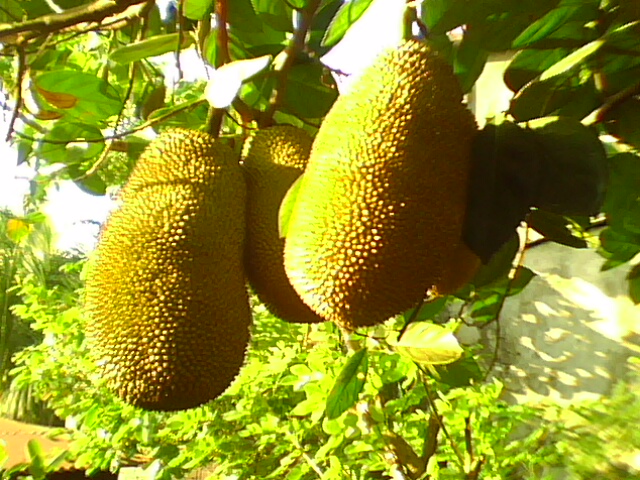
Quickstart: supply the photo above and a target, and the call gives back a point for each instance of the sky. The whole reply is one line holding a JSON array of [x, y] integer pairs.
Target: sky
[[70, 208]]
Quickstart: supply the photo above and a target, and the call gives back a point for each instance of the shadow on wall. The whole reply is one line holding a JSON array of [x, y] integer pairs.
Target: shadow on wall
[[569, 334]]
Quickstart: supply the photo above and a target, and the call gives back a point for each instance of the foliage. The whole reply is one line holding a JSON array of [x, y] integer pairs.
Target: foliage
[[89, 85]]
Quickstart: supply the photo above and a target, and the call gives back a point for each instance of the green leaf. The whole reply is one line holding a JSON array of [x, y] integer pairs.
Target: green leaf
[[348, 14], [428, 344], [4, 456], [622, 192], [94, 99], [226, 81], [36, 457], [310, 92], [487, 308], [526, 65], [242, 16], [573, 166], [64, 143], [461, 373], [275, 13], [55, 464], [555, 227], [92, 184], [552, 21], [150, 47], [621, 246], [287, 205], [561, 95], [196, 9], [469, 62], [499, 266], [17, 229], [573, 59], [634, 284], [622, 122], [428, 311], [521, 278], [347, 387]]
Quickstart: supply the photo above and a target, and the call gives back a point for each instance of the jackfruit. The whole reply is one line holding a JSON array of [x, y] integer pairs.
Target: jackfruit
[[165, 294], [273, 158], [380, 209]]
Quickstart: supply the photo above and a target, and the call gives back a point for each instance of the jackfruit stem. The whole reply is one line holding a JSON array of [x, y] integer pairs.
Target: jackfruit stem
[[214, 121], [409, 18]]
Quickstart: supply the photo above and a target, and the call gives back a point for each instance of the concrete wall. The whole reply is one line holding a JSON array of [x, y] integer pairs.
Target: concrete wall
[[569, 334]]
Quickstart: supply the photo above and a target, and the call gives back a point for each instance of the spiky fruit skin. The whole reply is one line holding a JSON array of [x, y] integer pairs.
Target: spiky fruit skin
[[379, 214], [273, 158], [168, 307]]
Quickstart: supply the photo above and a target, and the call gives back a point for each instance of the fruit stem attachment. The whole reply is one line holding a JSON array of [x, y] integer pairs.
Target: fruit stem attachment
[[214, 121], [409, 18]]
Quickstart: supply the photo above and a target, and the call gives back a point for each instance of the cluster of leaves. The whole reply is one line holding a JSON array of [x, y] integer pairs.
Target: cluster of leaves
[[298, 408]]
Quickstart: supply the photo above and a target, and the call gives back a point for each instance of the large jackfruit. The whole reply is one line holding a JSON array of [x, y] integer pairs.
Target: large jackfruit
[[273, 158], [379, 213], [168, 308]]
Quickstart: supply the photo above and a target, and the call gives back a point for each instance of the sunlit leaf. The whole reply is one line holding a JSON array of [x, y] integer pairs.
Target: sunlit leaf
[[526, 65], [348, 14], [634, 283], [36, 456], [17, 229], [429, 344], [551, 22], [150, 47], [196, 9], [226, 81], [95, 99], [4, 456], [573, 59], [347, 387], [287, 205]]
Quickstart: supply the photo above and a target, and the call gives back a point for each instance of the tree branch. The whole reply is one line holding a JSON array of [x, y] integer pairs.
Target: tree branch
[[296, 45], [22, 70], [17, 33]]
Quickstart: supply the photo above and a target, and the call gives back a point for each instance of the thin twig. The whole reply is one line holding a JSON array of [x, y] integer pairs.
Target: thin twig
[[22, 70], [434, 411], [503, 299], [215, 116]]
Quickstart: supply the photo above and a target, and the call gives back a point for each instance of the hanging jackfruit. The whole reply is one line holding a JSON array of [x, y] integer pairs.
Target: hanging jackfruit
[[273, 158], [165, 294], [379, 213]]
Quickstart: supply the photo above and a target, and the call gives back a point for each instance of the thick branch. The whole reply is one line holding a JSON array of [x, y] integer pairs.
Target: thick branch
[[93, 12]]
